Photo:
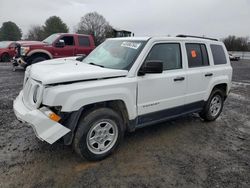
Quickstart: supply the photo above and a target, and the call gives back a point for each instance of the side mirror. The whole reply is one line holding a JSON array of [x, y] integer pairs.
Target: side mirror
[[151, 67], [80, 58], [60, 44]]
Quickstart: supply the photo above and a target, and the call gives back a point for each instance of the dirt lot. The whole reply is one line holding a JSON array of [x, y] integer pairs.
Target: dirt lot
[[186, 152]]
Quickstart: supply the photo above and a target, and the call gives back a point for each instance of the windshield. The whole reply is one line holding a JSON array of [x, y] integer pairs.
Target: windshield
[[4, 44], [51, 38], [115, 54]]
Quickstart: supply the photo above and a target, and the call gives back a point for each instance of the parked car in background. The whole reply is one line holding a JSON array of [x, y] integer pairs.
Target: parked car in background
[[7, 50], [57, 45], [233, 57]]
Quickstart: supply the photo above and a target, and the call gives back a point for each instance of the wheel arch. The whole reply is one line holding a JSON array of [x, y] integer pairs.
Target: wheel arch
[[40, 52], [224, 87], [72, 119]]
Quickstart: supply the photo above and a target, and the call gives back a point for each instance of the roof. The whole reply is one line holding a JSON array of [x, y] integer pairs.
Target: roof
[[165, 38], [72, 34]]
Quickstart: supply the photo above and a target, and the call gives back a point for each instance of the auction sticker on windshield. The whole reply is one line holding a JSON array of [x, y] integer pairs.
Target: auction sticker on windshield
[[134, 45]]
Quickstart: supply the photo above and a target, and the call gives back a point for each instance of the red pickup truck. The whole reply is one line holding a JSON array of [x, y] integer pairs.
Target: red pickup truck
[[55, 46]]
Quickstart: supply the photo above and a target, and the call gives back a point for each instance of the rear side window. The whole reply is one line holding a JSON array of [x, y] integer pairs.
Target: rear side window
[[83, 41], [197, 55], [218, 54], [68, 40], [169, 54]]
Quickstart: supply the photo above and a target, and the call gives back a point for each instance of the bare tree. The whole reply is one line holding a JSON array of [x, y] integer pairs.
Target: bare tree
[[35, 33], [96, 25]]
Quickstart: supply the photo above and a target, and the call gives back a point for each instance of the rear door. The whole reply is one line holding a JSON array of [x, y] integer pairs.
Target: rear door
[[199, 72], [157, 93], [84, 45]]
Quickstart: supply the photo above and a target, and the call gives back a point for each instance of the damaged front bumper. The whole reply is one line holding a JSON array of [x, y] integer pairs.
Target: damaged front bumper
[[45, 128], [19, 62]]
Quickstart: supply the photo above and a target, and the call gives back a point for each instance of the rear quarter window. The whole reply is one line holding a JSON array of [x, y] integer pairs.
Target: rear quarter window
[[218, 54]]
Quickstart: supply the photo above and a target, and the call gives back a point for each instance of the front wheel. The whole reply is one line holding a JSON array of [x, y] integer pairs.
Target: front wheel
[[98, 134], [5, 57], [213, 106], [38, 59]]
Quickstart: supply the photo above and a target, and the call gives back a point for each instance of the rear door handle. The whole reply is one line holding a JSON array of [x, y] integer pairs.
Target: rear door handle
[[179, 79], [208, 74]]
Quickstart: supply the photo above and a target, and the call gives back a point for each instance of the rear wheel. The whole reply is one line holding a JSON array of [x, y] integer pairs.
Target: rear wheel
[[5, 57], [98, 134], [213, 106]]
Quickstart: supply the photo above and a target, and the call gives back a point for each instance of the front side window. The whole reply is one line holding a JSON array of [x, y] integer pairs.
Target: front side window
[[218, 54], [68, 40], [197, 55], [115, 54], [168, 53]]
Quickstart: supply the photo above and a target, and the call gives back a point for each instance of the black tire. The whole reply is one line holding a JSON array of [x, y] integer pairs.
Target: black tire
[[87, 125], [207, 112], [38, 59], [5, 57]]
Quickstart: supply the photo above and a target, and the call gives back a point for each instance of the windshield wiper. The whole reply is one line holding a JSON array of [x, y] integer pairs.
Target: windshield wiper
[[96, 65]]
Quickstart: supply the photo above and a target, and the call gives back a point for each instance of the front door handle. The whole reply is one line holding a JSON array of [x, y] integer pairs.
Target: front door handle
[[179, 79], [208, 74]]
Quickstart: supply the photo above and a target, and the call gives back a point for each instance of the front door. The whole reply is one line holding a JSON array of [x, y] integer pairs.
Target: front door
[[160, 95], [66, 51]]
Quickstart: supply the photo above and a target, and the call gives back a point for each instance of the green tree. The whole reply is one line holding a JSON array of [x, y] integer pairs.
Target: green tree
[[96, 25], [10, 31], [35, 33], [234, 43], [54, 24]]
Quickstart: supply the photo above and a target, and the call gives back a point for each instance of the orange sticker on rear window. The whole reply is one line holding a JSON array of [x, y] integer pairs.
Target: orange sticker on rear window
[[193, 53]]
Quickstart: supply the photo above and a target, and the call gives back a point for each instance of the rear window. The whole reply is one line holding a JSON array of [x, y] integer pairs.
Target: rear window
[[197, 55], [218, 54], [83, 41]]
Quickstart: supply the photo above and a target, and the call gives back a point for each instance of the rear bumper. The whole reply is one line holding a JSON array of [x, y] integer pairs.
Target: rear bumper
[[44, 128]]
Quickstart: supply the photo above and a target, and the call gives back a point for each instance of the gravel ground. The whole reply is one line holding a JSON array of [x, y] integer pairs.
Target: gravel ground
[[185, 152]]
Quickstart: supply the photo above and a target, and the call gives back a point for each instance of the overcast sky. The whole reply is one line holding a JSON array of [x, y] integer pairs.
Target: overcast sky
[[214, 18]]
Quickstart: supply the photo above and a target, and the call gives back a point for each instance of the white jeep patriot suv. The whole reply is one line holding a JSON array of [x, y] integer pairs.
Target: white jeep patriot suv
[[124, 84]]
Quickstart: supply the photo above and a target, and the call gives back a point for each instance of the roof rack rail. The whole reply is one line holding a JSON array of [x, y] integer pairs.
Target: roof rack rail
[[184, 36]]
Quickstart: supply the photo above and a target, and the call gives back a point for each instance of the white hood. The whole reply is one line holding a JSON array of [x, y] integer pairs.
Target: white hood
[[68, 70]]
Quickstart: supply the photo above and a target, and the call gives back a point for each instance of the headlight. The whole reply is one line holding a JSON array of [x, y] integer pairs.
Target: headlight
[[24, 50], [26, 75], [36, 95]]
